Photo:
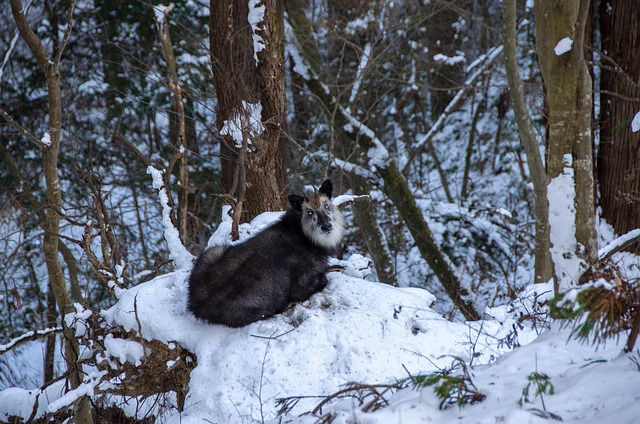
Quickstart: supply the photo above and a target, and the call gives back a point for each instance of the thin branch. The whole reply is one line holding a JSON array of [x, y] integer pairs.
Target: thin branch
[[21, 129], [133, 149], [27, 34], [619, 244], [181, 148], [67, 33], [28, 337], [346, 200], [356, 387], [346, 166], [486, 61], [7, 55]]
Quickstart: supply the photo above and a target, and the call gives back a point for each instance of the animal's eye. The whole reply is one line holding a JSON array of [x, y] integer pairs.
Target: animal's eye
[[309, 213], [326, 206]]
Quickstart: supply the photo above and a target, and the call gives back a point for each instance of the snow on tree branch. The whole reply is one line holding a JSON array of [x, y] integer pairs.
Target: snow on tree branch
[[177, 252], [482, 63], [364, 60], [619, 243], [348, 167], [87, 388], [27, 337]]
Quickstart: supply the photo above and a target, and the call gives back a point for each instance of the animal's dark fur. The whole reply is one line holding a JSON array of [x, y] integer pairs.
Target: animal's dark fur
[[286, 262]]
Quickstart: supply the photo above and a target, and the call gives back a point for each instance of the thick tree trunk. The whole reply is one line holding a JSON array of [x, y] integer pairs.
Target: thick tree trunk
[[619, 153], [569, 95], [246, 80], [543, 268]]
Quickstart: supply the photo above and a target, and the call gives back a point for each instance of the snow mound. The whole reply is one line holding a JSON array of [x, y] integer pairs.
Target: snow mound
[[590, 387], [354, 330]]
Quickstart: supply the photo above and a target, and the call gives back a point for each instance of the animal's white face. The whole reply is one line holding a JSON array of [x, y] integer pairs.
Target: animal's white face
[[322, 222]]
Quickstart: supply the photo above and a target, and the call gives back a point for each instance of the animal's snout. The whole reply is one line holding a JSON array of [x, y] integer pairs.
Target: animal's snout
[[326, 227]]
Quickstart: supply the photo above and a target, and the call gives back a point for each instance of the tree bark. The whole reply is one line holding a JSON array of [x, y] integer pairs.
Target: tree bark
[[543, 267], [245, 78], [619, 152], [372, 234], [569, 95]]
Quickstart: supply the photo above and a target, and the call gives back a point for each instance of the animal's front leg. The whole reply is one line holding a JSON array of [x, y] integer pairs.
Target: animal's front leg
[[320, 282], [306, 285]]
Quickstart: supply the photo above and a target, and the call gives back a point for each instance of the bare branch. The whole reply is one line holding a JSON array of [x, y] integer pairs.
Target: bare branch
[[483, 64], [180, 145], [21, 129], [67, 33], [133, 149], [27, 34]]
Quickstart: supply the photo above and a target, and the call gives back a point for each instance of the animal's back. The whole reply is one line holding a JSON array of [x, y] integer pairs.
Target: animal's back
[[257, 278]]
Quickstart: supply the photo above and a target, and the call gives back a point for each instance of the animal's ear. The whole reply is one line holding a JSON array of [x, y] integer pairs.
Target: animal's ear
[[296, 201], [326, 188]]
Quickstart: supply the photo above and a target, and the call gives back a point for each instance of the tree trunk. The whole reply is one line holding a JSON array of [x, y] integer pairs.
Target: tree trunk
[[250, 84], [51, 226], [543, 267], [569, 95], [619, 153], [373, 236]]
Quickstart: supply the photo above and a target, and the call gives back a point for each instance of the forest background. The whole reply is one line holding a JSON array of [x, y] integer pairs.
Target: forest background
[[454, 116]]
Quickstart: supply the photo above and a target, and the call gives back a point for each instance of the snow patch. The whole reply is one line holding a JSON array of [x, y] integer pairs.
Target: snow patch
[[561, 195], [563, 46], [78, 320], [177, 252], [450, 60], [635, 124], [255, 18], [125, 350], [46, 139], [244, 120]]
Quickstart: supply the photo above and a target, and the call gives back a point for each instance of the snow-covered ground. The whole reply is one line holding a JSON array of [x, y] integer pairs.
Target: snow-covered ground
[[363, 332]]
